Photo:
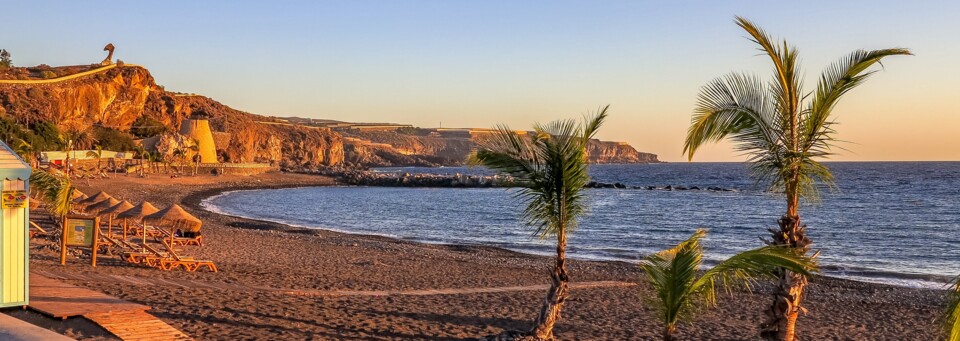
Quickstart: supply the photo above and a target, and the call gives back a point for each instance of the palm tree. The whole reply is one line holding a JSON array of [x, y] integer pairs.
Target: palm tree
[[55, 189], [27, 152], [673, 274], [551, 167], [783, 139], [97, 153], [952, 316], [141, 153], [195, 155], [180, 157]]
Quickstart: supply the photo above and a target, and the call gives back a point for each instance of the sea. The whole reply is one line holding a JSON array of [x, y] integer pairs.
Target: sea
[[886, 222]]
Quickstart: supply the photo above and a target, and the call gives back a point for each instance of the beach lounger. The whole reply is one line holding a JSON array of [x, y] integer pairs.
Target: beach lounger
[[187, 263], [37, 230]]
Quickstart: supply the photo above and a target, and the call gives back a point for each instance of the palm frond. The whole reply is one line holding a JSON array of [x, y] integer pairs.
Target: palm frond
[[734, 106], [672, 273], [837, 80], [782, 139], [53, 188], [951, 323], [550, 164], [745, 268]]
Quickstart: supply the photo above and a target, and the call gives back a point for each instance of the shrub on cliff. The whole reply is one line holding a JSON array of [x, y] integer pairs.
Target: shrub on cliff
[[5, 61], [42, 136], [112, 139], [48, 74], [146, 126]]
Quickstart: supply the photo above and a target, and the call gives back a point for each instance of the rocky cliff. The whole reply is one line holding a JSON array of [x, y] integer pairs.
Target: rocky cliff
[[617, 152], [392, 148], [118, 97]]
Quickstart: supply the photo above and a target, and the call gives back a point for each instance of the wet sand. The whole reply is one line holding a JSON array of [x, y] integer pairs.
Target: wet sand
[[256, 257]]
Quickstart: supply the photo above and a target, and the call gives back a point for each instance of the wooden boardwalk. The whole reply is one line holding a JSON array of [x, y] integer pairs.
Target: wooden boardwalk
[[137, 325], [126, 320]]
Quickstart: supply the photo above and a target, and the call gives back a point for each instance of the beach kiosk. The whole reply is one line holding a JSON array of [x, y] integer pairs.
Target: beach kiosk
[[14, 219]]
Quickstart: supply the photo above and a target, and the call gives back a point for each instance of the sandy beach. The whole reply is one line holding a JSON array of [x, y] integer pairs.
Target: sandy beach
[[279, 282]]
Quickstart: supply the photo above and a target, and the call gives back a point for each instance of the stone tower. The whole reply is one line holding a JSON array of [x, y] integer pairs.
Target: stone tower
[[198, 128]]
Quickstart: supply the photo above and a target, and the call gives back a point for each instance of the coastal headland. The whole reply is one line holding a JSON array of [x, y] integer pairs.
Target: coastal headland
[[284, 282]]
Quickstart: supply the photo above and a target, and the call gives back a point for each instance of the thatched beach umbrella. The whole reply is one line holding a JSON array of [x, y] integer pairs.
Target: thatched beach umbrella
[[136, 214], [112, 212], [79, 198], [101, 205], [177, 217], [100, 196]]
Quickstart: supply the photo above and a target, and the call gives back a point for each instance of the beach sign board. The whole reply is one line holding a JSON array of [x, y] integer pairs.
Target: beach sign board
[[82, 231], [14, 199]]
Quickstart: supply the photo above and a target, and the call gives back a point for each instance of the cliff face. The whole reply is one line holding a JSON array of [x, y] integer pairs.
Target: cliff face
[[389, 148], [617, 152], [114, 98], [118, 97]]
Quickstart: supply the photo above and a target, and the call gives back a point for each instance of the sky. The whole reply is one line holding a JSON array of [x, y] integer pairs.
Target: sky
[[481, 63]]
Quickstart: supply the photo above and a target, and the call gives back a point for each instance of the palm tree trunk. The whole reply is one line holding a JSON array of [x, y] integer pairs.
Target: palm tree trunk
[[550, 312], [668, 333], [783, 313]]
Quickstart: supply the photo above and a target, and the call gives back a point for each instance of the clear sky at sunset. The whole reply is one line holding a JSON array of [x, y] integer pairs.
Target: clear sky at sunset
[[476, 64]]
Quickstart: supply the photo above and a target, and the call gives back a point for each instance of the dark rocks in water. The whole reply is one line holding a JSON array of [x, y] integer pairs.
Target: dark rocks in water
[[694, 188], [608, 186], [668, 188], [650, 188], [680, 188], [619, 185], [591, 184]]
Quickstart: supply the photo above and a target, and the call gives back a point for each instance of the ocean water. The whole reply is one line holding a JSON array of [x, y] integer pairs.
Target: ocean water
[[888, 222]]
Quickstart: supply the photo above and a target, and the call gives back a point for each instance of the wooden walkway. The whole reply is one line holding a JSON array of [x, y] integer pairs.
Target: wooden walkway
[[137, 325], [186, 283], [126, 320]]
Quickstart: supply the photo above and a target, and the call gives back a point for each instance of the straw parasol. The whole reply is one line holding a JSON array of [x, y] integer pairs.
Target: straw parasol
[[117, 209], [101, 205], [79, 198], [112, 211], [176, 216], [77, 195], [136, 214], [100, 196]]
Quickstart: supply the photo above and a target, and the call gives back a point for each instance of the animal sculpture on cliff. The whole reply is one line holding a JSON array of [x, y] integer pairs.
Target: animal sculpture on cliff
[[109, 59]]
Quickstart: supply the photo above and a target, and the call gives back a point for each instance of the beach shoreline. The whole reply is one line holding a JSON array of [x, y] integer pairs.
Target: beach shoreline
[[263, 254]]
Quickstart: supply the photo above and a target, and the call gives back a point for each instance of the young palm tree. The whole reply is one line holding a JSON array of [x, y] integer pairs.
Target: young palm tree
[[551, 167], [680, 292], [783, 138], [952, 317]]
